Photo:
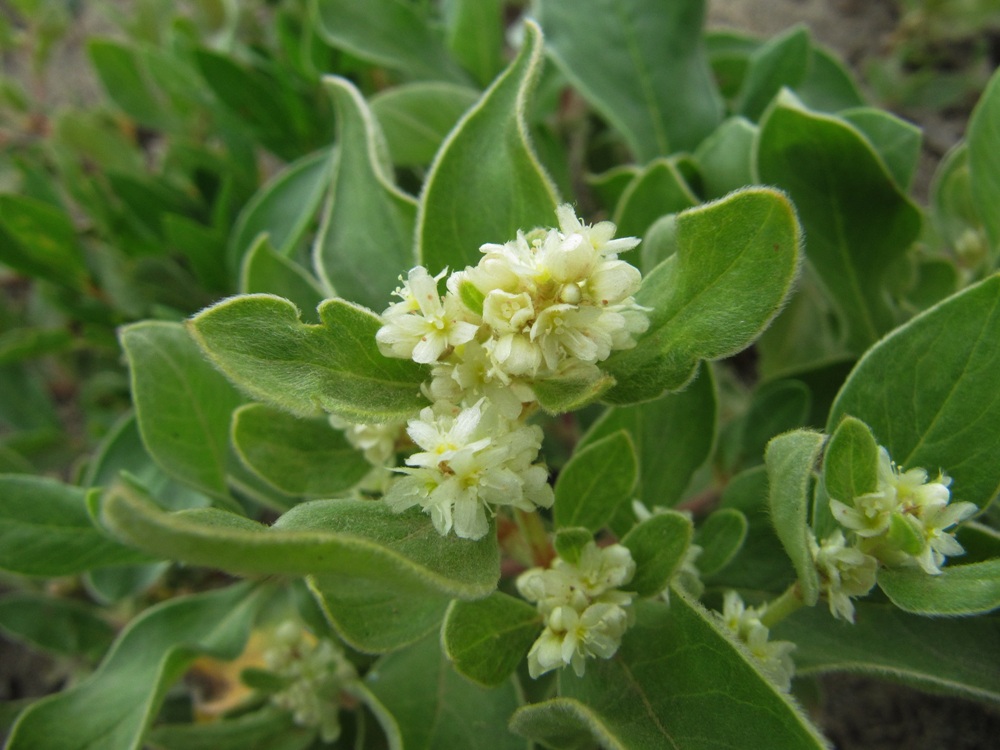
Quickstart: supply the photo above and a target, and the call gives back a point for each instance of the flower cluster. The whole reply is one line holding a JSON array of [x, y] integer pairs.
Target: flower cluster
[[904, 522], [585, 612], [315, 673], [745, 623], [550, 303], [470, 458]]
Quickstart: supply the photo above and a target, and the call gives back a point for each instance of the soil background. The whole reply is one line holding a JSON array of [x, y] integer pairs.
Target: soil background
[[857, 713]]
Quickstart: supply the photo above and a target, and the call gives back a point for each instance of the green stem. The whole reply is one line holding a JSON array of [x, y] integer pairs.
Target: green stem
[[778, 609]]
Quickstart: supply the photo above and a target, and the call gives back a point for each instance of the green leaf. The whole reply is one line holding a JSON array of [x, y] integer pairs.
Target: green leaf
[[390, 33], [375, 614], [416, 117], [960, 589], [790, 460], [984, 160], [447, 712], [203, 249], [558, 395], [850, 464], [659, 687], [834, 176], [724, 158], [183, 405], [720, 537], [760, 564], [781, 61], [122, 75], [658, 545], [45, 530], [266, 729], [267, 271], [651, 81], [39, 240], [776, 407], [569, 542], [896, 140], [828, 85], [486, 172], [301, 457], [928, 392], [62, 626], [364, 242], [596, 480], [485, 640], [940, 654], [259, 342], [656, 190], [284, 208], [476, 36], [149, 655], [733, 269]]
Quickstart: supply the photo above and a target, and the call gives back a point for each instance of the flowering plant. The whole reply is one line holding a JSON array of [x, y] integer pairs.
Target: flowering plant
[[547, 405]]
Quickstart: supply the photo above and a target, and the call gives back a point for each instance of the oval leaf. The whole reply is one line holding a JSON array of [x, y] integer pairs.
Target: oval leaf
[[595, 481], [658, 545], [259, 342], [959, 590], [929, 392], [487, 173]]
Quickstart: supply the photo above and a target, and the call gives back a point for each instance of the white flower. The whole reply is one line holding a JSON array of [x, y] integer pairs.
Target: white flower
[[905, 521], [745, 623], [423, 326], [585, 612], [844, 572], [471, 459], [376, 441]]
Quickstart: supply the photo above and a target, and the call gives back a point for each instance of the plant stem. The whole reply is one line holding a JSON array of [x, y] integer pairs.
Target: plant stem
[[778, 609]]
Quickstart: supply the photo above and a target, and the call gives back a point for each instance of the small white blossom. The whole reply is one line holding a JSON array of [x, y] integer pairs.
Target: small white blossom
[[422, 326], [585, 612], [774, 657], [844, 572], [376, 441], [315, 672], [471, 460], [905, 521]]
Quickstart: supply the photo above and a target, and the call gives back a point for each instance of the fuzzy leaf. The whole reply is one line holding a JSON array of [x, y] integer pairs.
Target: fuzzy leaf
[[850, 464], [487, 173], [656, 190], [476, 36], [928, 392], [637, 700], [790, 460], [390, 33], [657, 545], [960, 589], [39, 240], [416, 118], [672, 437], [183, 405], [353, 539], [149, 656], [364, 242], [939, 654], [45, 530], [267, 271], [724, 158], [284, 208], [424, 704], [834, 176], [984, 160], [781, 61], [259, 342], [735, 263], [595, 481], [302, 457], [651, 81], [485, 640], [896, 140], [720, 536]]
